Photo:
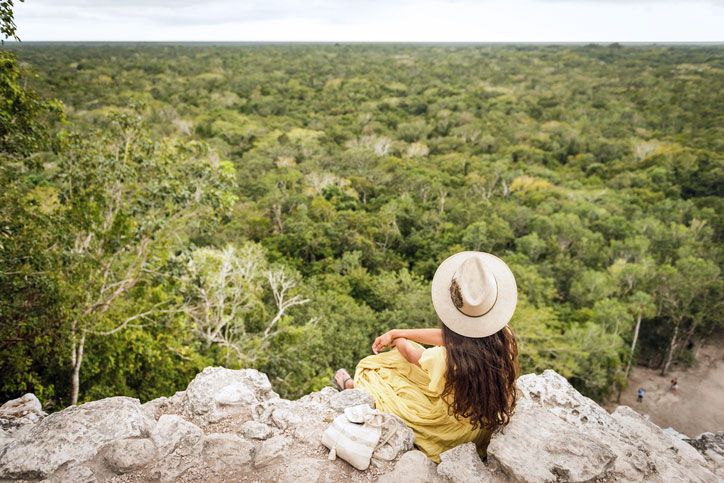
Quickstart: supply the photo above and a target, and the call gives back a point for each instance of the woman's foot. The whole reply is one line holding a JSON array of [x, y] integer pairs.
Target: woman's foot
[[343, 380]]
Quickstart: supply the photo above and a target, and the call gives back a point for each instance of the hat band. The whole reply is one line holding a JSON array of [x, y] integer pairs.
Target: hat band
[[459, 303]]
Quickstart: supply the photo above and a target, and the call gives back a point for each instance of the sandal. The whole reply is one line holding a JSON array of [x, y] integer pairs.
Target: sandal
[[344, 380]]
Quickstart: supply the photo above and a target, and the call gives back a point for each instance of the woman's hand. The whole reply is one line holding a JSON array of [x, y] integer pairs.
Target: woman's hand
[[385, 340]]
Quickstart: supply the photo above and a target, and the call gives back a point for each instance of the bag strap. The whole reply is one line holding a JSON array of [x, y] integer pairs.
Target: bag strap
[[387, 422]]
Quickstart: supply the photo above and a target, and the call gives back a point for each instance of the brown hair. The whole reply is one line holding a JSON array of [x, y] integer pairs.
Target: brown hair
[[481, 374]]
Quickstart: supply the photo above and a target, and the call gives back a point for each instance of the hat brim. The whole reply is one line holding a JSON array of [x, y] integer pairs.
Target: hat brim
[[492, 321]]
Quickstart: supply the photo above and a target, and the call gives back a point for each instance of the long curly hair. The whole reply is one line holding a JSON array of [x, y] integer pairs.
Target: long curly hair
[[481, 374]]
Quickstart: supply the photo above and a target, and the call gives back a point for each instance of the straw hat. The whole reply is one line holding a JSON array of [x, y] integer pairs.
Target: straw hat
[[474, 293]]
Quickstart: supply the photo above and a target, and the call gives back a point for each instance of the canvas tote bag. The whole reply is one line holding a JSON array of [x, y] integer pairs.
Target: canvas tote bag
[[355, 435]]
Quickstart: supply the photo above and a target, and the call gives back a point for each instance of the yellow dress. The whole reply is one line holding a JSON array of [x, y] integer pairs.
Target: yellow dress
[[413, 393]]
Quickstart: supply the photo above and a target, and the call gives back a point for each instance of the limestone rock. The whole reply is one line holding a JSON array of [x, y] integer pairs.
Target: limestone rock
[[711, 446], [271, 451], [72, 436], [256, 430], [75, 474], [127, 455], [672, 458], [286, 414], [304, 469], [218, 392], [349, 397], [672, 432], [413, 467], [154, 407], [462, 464], [225, 452], [179, 444], [306, 419], [536, 446], [20, 412], [557, 433], [229, 425], [5, 438]]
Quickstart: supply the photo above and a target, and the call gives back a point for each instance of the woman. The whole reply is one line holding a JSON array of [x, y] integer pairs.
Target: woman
[[463, 388]]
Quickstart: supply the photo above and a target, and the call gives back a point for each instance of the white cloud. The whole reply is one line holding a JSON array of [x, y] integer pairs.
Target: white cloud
[[373, 20]]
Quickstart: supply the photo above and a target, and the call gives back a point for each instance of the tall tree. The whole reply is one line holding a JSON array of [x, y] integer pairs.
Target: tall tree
[[121, 194]]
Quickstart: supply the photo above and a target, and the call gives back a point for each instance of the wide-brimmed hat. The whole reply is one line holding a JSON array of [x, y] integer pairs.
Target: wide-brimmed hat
[[474, 293]]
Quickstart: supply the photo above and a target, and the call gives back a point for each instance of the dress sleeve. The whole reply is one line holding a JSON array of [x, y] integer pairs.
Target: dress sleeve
[[433, 362]]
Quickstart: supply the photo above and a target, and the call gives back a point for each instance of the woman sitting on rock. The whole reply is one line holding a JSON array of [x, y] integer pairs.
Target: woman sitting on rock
[[463, 388]]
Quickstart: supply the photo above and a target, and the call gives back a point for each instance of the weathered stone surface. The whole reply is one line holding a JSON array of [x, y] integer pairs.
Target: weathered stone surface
[[72, 436], [305, 419], [218, 392], [226, 452], [127, 455], [462, 464], [413, 467], [711, 446], [76, 474], [154, 407], [5, 438], [535, 431], [271, 451], [179, 444], [302, 469], [256, 430], [350, 397], [672, 432], [20, 412], [557, 433], [287, 414], [671, 458]]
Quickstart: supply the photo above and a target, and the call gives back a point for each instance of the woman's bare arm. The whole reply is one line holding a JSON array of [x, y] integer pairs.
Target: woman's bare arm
[[408, 351], [423, 336]]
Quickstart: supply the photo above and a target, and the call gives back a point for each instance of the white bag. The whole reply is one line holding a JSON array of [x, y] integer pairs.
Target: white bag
[[355, 435]]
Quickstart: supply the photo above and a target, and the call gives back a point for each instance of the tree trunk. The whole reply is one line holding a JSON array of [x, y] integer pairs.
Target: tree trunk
[[672, 348], [631, 355], [76, 361]]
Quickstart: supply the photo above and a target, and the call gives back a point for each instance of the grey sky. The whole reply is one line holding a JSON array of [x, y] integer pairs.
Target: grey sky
[[374, 20]]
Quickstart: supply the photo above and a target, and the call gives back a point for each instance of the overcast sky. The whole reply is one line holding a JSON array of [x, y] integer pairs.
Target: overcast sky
[[374, 20]]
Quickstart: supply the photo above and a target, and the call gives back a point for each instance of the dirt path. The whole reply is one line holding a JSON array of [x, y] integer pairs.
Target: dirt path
[[698, 404]]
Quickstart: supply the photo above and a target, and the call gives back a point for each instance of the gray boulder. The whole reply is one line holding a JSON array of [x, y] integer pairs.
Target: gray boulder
[[558, 434], [338, 401], [218, 393], [72, 436], [229, 425], [20, 412], [127, 455], [271, 451], [462, 464], [179, 444], [711, 446], [256, 430], [413, 467], [226, 452]]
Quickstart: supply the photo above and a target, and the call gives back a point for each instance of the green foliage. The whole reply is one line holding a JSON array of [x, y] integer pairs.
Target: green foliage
[[8, 28], [594, 171]]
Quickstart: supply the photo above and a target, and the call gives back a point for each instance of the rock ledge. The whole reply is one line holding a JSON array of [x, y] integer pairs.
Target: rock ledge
[[229, 425]]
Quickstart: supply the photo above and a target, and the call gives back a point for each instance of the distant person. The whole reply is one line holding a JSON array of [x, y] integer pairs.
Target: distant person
[[641, 393], [462, 389], [674, 384]]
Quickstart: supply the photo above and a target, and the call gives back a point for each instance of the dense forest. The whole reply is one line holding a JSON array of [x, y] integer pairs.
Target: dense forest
[[165, 207]]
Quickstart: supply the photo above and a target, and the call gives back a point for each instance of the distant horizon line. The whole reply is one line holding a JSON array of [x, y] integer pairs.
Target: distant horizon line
[[426, 42]]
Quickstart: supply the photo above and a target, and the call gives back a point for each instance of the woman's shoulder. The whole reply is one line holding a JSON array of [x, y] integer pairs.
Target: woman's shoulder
[[433, 356], [433, 362]]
